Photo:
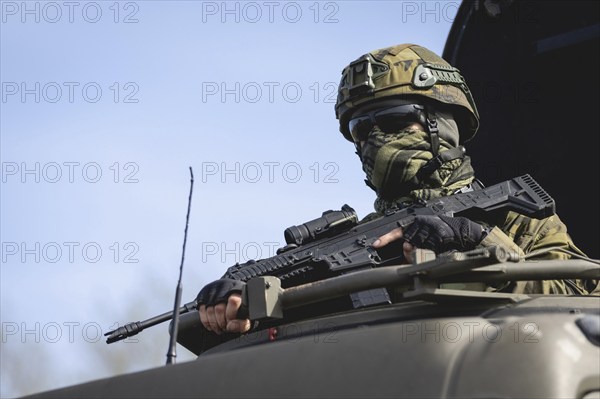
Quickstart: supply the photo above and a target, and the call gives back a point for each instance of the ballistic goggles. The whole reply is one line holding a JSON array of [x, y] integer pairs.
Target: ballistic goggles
[[388, 120]]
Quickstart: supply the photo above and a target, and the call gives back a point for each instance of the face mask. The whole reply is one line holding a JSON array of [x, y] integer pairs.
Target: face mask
[[391, 162]]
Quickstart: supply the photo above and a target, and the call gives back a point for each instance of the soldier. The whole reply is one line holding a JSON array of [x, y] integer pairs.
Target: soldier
[[408, 112]]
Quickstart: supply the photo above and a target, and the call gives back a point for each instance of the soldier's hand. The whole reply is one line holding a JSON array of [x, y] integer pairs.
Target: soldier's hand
[[219, 303], [394, 235], [444, 233], [437, 233]]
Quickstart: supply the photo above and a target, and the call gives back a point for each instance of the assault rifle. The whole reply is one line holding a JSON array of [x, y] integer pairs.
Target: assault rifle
[[336, 243]]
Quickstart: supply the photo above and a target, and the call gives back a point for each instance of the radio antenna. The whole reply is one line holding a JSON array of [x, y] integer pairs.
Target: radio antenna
[[172, 353]]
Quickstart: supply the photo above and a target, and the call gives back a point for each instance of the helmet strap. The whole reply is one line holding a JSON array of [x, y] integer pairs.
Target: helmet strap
[[438, 158], [434, 133]]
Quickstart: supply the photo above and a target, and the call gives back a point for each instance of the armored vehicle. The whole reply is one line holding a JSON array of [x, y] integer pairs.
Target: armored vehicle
[[431, 342], [533, 69]]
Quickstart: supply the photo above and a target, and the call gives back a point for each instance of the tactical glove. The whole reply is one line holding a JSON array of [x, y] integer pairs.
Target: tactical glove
[[444, 233], [218, 291]]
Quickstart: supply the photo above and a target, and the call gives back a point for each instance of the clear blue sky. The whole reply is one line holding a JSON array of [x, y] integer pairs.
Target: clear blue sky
[[105, 105]]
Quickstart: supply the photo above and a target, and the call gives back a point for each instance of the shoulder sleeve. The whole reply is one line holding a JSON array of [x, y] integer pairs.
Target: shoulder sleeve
[[548, 237], [532, 235]]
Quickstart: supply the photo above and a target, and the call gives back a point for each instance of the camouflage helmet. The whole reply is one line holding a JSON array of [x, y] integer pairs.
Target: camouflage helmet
[[405, 70]]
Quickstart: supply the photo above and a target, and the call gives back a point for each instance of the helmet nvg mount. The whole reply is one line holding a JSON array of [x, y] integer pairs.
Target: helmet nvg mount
[[405, 70]]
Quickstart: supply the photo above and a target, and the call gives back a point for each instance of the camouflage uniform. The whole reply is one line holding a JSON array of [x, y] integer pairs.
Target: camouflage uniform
[[409, 74], [527, 236]]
